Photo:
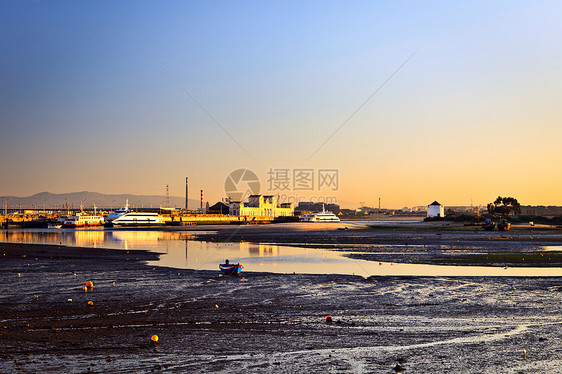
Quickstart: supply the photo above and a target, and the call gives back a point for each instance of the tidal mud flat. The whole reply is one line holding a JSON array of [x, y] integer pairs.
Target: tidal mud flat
[[417, 243], [262, 322]]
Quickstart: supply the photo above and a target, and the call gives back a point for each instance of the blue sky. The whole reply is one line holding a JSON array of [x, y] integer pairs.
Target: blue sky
[[86, 105]]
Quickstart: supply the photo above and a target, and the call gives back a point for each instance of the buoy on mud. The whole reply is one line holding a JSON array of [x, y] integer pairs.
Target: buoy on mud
[[90, 303], [85, 289], [89, 284], [328, 319], [154, 338]]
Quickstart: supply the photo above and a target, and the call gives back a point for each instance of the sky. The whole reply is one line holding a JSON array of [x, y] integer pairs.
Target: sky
[[408, 101]]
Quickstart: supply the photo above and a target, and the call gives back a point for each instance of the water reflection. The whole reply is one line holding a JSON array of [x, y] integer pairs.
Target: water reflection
[[261, 250], [179, 251], [89, 238]]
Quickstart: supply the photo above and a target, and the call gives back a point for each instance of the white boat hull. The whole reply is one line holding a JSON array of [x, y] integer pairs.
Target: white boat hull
[[320, 217], [135, 219]]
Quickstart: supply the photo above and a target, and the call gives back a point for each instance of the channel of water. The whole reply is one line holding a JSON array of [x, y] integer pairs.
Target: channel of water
[[179, 250]]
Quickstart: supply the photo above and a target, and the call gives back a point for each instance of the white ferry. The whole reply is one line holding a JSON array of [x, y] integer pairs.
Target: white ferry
[[139, 219], [322, 216], [117, 213], [82, 220]]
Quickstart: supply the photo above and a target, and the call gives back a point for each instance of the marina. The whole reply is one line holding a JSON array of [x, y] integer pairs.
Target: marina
[[27, 218]]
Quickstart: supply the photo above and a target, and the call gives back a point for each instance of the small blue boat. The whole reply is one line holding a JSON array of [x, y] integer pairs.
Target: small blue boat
[[230, 269]]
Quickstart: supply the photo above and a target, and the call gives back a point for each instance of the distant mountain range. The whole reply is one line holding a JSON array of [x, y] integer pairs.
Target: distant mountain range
[[74, 199]]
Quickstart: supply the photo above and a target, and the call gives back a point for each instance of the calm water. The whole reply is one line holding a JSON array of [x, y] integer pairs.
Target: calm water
[[180, 251]]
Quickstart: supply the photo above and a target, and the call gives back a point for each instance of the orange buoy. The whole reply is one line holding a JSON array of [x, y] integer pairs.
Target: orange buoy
[[329, 318], [89, 284], [85, 289], [154, 338], [90, 303]]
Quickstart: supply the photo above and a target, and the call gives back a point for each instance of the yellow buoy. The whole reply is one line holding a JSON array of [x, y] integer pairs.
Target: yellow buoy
[[85, 289], [154, 338], [89, 284]]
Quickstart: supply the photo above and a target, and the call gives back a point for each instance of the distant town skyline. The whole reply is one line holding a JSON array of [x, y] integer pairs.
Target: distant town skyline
[[410, 102]]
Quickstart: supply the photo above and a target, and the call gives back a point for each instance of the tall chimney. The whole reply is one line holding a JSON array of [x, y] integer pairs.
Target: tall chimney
[[201, 199], [186, 195]]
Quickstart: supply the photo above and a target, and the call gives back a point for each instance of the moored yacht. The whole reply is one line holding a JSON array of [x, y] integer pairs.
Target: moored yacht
[[139, 219]]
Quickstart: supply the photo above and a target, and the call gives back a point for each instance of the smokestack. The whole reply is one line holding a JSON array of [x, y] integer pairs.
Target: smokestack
[[201, 199], [186, 195]]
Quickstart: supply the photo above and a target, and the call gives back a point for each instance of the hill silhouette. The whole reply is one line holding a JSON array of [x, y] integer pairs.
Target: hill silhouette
[[106, 201]]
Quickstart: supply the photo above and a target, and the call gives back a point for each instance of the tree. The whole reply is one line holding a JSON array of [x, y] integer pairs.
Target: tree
[[504, 205]]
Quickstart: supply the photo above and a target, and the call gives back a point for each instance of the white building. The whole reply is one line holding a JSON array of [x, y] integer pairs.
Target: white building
[[261, 206], [435, 210]]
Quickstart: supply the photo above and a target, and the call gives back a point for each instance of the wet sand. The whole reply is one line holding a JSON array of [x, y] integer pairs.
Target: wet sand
[[271, 322]]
